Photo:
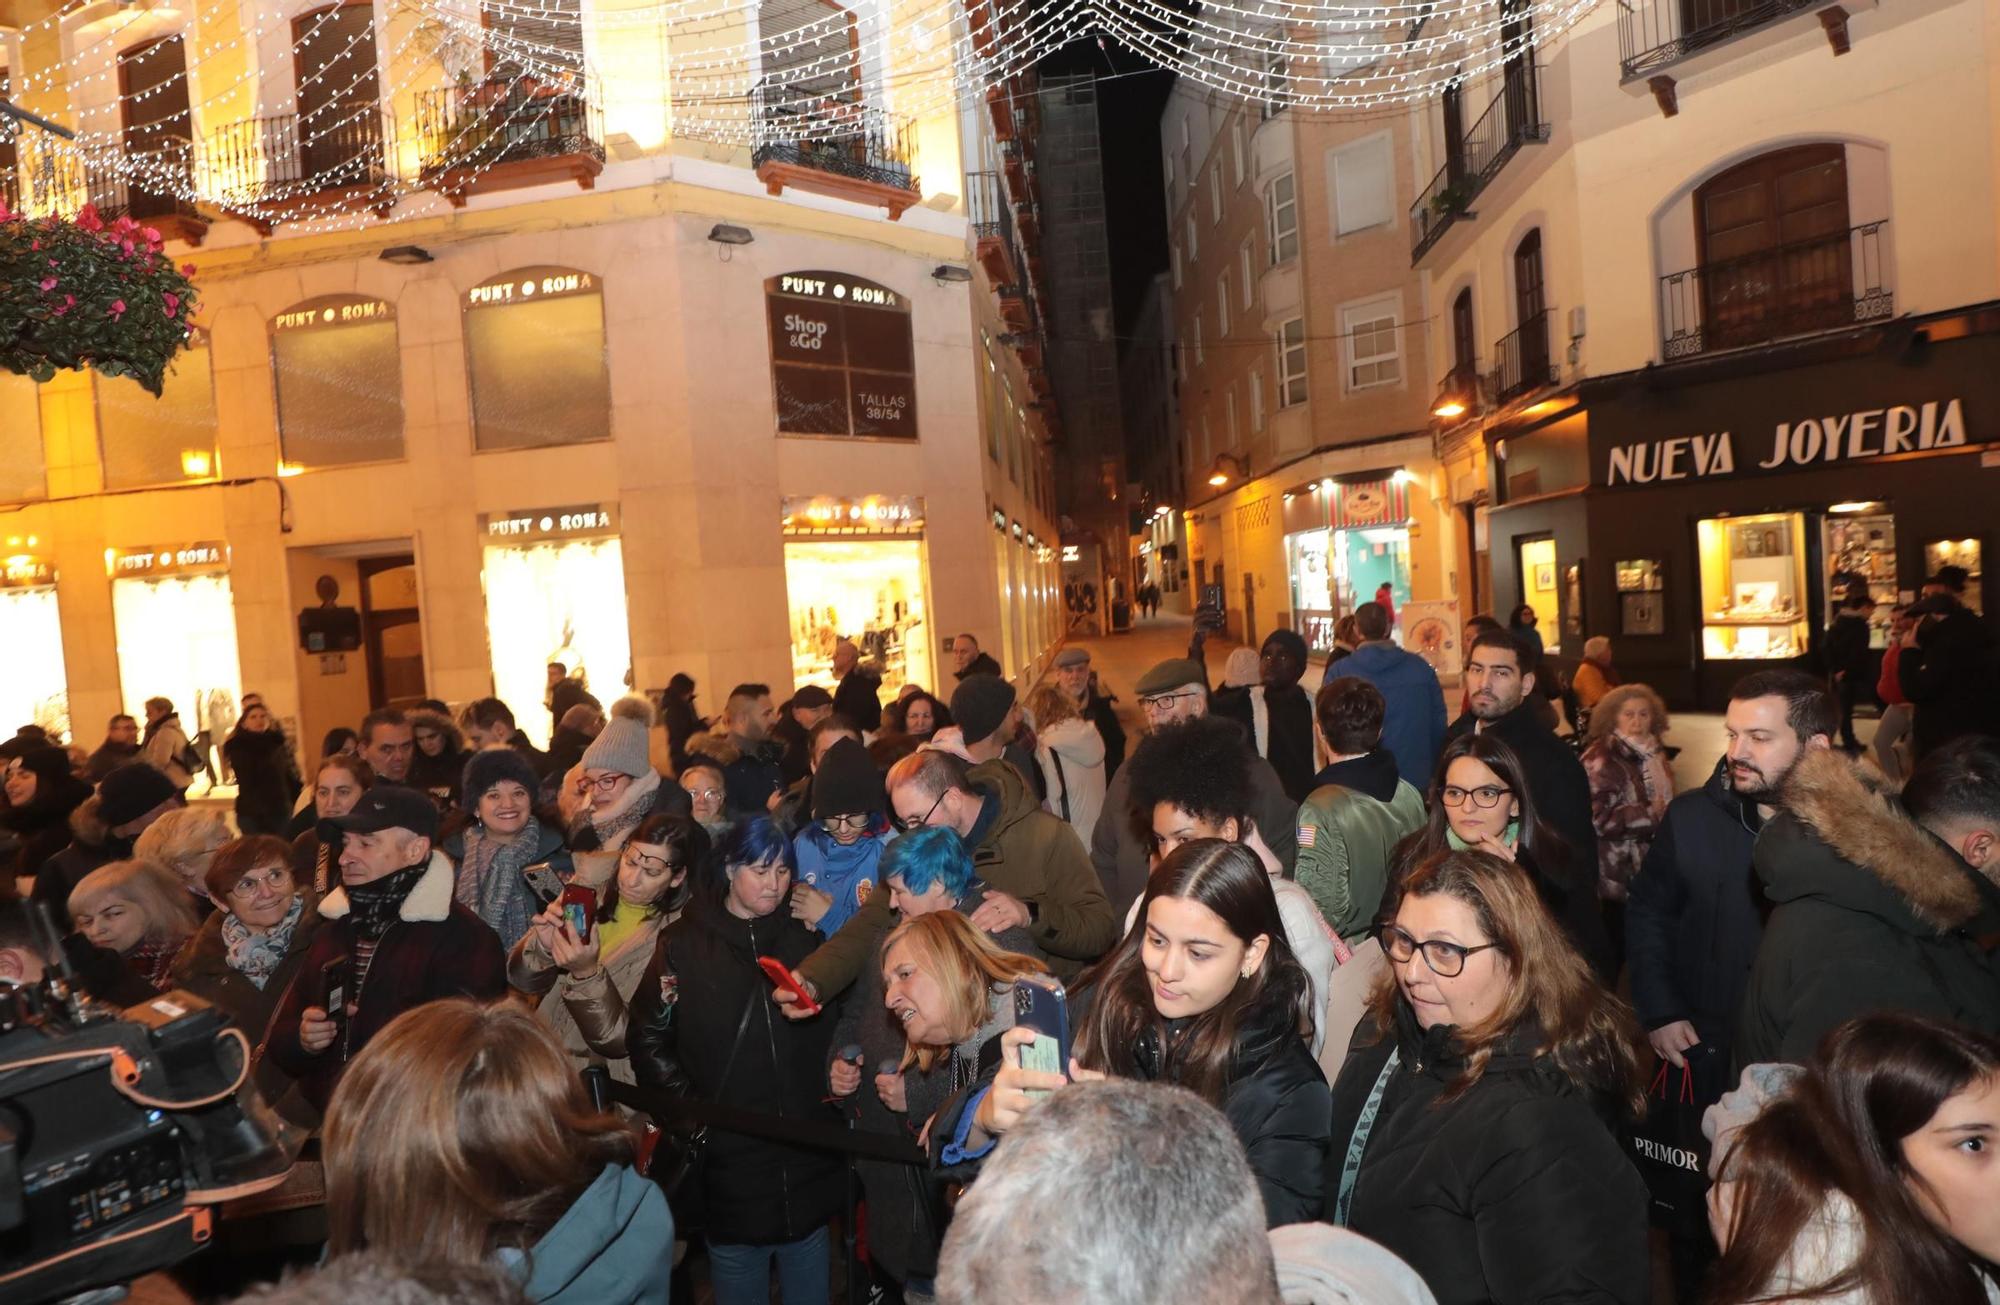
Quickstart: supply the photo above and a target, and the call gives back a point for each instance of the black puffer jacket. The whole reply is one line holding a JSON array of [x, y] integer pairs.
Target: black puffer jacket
[[1950, 676], [1278, 1103], [1695, 913], [42, 822], [267, 779], [755, 1192], [1516, 1191], [1870, 913]]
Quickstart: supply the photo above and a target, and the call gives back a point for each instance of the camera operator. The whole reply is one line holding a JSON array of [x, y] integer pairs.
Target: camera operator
[[100, 972]]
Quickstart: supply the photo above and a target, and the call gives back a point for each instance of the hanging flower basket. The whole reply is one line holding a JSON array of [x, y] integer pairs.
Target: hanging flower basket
[[78, 293]]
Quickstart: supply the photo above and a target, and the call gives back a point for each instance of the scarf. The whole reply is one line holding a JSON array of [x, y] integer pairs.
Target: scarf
[[612, 824], [1653, 772], [256, 956], [377, 905], [489, 882], [154, 962], [1511, 836]]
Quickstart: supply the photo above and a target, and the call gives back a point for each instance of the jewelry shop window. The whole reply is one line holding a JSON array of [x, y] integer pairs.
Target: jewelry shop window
[[1753, 587], [534, 341], [339, 379], [843, 361]]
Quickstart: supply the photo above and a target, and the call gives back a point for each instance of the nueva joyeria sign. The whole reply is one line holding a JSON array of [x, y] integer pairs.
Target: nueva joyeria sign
[[1801, 444]]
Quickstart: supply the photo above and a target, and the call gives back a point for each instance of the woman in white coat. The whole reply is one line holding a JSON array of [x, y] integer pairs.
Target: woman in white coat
[[1070, 752]]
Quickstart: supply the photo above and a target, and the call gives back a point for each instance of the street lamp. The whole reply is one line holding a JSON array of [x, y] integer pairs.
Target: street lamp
[[1218, 475], [1455, 395]]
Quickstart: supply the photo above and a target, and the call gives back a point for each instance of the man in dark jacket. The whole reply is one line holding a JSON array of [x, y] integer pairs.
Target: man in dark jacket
[[755, 775], [793, 731], [1847, 659], [121, 744], [968, 660], [1073, 677], [1952, 673], [858, 693], [1278, 713], [1121, 846], [391, 939], [1413, 723], [1878, 904], [1498, 687], [103, 829]]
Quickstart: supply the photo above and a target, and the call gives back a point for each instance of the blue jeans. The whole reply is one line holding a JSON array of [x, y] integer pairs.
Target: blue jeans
[[741, 1275]]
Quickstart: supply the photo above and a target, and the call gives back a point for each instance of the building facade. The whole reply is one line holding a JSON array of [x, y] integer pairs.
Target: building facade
[[517, 367], [1149, 381]]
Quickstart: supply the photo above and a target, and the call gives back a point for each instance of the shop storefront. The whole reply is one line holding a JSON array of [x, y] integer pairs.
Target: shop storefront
[[35, 688], [1710, 518], [855, 569], [1344, 540], [174, 614], [555, 592]]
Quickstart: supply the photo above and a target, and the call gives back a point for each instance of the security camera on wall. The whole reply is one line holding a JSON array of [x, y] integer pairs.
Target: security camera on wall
[[329, 628]]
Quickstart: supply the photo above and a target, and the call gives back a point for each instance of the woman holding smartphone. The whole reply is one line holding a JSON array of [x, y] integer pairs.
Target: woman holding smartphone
[[703, 1026], [1205, 993]]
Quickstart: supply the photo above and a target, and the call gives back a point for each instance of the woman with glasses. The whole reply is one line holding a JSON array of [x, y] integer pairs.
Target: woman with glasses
[[1206, 994], [840, 849], [1473, 1121], [586, 985], [620, 788], [504, 838]]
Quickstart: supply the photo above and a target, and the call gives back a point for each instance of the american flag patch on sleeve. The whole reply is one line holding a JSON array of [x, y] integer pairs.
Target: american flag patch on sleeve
[[1306, 835]]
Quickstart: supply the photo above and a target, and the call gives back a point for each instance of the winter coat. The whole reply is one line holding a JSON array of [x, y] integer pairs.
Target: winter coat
[[849, 875], [1870, 912], [1514, 1191], [1348, 826], [1620, 811], [1124, 858], [42, 822], [1695, 915], [983, 664], [435, 949], [108, 757], [442, 777], [165, 748], [1414, 723], [1280, 726], [684, 1019], [613, 1246], [750, 780], [1101, 710], [858, 697], [267, 779], [550, 850], [1953, 677], [1279, 1105], [1018, 849], [91, 845], [1889, 684], [1591, 682], [1071, 755], [682, 723], [589, 1015], [1847, 645], [203, 969], [569, 692]]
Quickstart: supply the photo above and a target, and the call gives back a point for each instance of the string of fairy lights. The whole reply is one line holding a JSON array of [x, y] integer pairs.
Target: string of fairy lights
[[300, 103]]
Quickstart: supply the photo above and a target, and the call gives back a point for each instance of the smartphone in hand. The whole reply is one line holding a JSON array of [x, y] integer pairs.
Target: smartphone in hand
[[780, 976], [1041, 1004], [579, 909], [333, 990], [543, 882]]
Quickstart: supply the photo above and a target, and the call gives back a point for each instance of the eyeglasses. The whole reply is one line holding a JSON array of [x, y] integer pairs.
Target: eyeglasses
[[609, 784], [1166, 701], [907, 825], [1486, 796], [841, 824], [705, 794], [654, 864], [1446, 959]]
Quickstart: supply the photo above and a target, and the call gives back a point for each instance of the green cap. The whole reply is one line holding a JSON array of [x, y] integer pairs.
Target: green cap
[[1176, 673]]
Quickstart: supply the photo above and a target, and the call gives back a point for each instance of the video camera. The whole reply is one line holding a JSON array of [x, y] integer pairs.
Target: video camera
[[118, 1131]]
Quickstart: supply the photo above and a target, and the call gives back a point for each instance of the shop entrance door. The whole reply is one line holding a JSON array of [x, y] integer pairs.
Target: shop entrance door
[[1538, 587], [394, 633], [870, 591]]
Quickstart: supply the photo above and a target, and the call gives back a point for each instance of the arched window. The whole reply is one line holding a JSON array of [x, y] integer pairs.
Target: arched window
[[534, 345], [339, 378], [1774, 247], [1528, 298]]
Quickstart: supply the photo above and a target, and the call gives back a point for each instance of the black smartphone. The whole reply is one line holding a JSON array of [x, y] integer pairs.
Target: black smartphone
[[333, 993], [1041, 1004]]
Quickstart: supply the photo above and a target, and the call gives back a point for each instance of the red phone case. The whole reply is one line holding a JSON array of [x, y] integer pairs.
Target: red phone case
[[575, 895], [781, 975]]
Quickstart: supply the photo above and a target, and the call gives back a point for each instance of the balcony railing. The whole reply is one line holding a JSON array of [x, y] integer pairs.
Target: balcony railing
[[266, 161], [468, 133], [1522, 359], [993, 227], [806, 139], [1512, 120], [1793, 289], [146, 186], [1654, 34]]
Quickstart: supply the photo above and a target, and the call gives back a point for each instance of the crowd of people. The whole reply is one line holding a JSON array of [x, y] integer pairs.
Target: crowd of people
[[1341, 978]]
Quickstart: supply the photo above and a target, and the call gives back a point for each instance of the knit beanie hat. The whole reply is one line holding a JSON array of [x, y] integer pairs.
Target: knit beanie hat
[[847, 782], [620, 747], [130, 792], [979, 704], [494, 765]]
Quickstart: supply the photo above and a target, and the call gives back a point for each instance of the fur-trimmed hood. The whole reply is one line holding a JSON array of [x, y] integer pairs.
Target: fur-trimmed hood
[[718, 745], [1844, 836], [428, 902]]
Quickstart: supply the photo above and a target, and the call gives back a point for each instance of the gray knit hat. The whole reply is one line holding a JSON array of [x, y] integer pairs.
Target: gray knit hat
[[620, 747]]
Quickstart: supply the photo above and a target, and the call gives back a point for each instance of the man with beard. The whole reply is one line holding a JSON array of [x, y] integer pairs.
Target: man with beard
[[121, 744]]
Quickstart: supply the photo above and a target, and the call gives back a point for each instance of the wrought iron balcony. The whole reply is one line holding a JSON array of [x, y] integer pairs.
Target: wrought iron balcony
[[1522, 359], [1794, 289], [269, 165], [832, 145], [1656, 34], [147, 186], [1512, 120], [507, 132], [993, 231]]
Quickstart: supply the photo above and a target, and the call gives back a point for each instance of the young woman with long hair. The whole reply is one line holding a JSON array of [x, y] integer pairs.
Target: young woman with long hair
[[462, 1135], [1204, 992], [1872, 1177], [1474, 1137]]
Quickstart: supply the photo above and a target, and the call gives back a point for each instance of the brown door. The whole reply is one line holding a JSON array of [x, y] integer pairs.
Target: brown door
[[159, 134], [1463, 347], [1454, 133], [1530, 312], [1774, 247], [339, 130], [392, 630]]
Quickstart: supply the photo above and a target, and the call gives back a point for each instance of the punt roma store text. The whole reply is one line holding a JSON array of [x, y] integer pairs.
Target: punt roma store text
[[1706, 515]]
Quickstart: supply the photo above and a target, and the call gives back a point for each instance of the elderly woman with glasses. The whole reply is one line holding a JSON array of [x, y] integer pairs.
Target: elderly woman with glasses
[[839, 852], [586, 984], [493, 853], [1473, 1122]]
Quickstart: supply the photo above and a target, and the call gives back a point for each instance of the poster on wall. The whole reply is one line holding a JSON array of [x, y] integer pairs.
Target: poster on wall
[[1431, 631]]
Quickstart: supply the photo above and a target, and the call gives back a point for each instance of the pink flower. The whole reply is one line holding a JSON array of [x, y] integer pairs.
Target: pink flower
[[69, 302], [117, 309], [87, 219], [48, 284], [173, 302], [187, 269], [152, 237]]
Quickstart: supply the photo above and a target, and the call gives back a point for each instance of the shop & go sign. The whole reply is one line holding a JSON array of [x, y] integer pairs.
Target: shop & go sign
[[843, 360], [549, 523], [1799, 444], [151, 563]]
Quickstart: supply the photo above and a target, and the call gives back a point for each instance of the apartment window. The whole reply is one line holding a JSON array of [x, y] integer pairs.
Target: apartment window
[[1236, 148], [1277, 85], [1215, 194], [1372, 335], [843, 360], [1177, 266], [1363, 176], [1193, 241], [1256, 400], [1222, 306], [1187, 159], [1284, 203], [1292, 363], [1207, 443], [1197, 339], [1464, 347], [1245, 261], [1229, 414]]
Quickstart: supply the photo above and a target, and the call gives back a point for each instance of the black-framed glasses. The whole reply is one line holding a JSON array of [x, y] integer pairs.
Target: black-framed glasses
[[843, 824], [1165, 701], [1485, 797], [907, 825], [652, 864], [1446, 959]]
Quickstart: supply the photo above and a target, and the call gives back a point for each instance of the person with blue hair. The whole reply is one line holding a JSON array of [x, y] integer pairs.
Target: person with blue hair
[[702, 1027]]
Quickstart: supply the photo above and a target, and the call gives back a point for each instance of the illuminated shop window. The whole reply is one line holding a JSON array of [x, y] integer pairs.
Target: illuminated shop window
[[339, 381], [1753, 586], [184, 588], [36, 687], [842, 358], [534, 342], [20, 440], [149, 441], [555, 592], [854, 569]]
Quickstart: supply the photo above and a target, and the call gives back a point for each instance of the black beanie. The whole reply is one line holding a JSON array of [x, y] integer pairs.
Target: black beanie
[[489, 766], [847, 782], [979, 704], [130, 792]]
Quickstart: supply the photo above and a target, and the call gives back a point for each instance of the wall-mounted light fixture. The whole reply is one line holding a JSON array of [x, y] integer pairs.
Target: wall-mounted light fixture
[[406, 255], [1225, 463], [951, 272], [722, 233]]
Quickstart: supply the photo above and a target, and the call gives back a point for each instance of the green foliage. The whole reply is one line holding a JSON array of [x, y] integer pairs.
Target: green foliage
[[78, 293]]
